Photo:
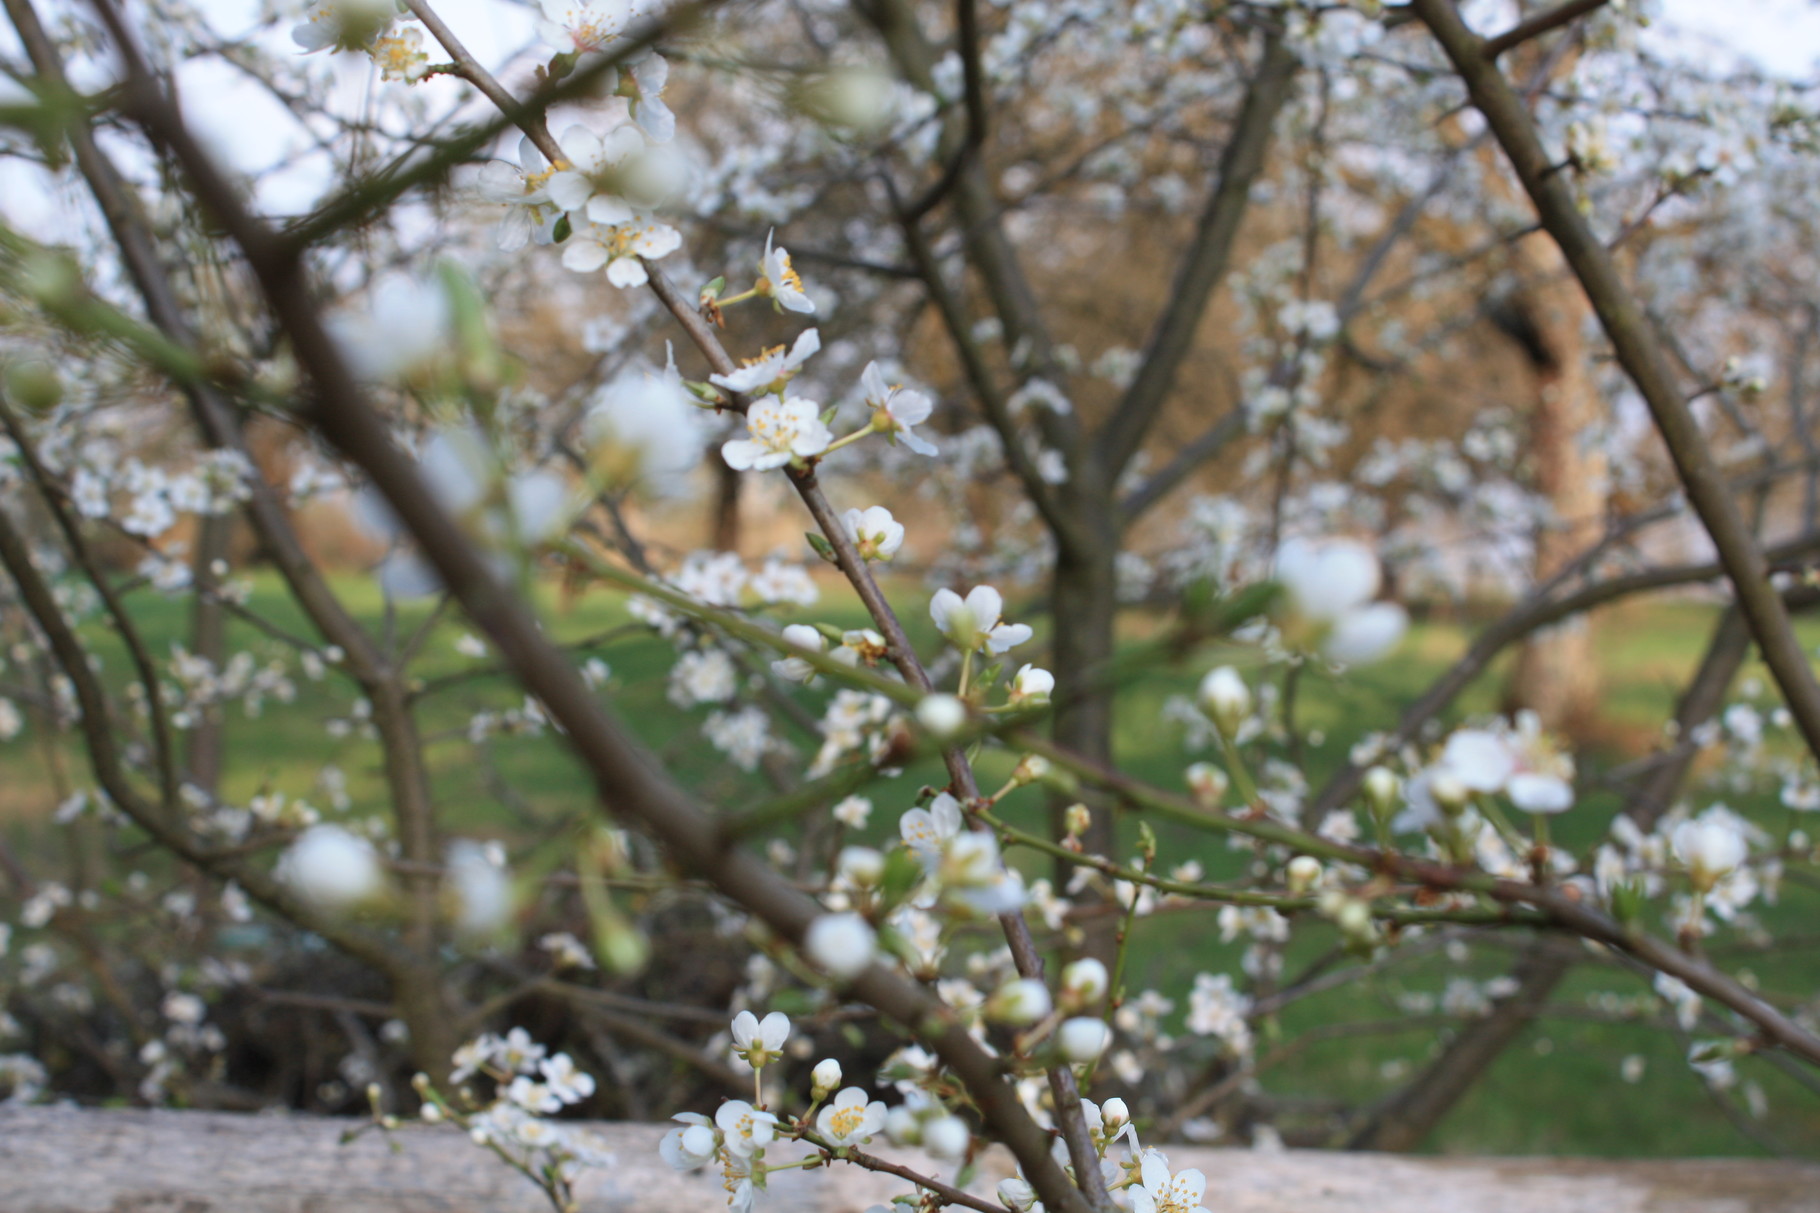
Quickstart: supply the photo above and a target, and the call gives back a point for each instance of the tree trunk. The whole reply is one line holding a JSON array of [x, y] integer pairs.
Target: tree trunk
[[1412, 1113], [1556, 674], [1084, 614]]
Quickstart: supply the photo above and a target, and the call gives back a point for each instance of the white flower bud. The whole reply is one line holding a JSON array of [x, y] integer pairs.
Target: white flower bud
[[1083, 984], [902, 1126], [947, 1138], [1208, 784], [857, 98], [431, 1114], [1114, 1114], [861, 866], [1381, 788], [1017, 1195], [1032, 686], [1304, 874], [481, 886], [1083, 1038], [1226, 699], [842, 945], [942, 715], [332, 868], [1350, 914], [1449, 791], [825, 1077], [1030, 769], [1020, 1002]]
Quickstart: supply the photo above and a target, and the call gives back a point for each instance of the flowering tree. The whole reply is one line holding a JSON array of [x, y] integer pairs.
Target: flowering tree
[[458, 338]]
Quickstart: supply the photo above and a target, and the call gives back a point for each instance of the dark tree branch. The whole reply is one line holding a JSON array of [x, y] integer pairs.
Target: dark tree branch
[[1539, 611], [1203, 266], [1540, 24], [627, 779], [1641, 355]]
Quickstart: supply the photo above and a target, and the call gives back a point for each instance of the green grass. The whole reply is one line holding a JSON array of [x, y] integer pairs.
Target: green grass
[[1556, 1091]]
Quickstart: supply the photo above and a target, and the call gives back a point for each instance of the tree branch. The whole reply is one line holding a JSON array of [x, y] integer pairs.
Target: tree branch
[[1203, 266], [1640, 354], [1538, 25]]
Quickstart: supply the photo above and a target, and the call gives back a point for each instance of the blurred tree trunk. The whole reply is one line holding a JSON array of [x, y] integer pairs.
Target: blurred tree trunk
[[726, 524], [1557, 674], [208, 640]]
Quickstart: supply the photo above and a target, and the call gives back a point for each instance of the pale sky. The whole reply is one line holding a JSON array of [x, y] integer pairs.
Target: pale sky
[[1783, 36], [253, 131]]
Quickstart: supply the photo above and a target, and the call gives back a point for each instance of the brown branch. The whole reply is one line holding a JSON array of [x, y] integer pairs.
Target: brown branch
[[1540, 24], [216, 417], [1641, 355], [1538, 611], [947, 1192], [1564, 907], [165, 753], [1203, 264], [626, 777]]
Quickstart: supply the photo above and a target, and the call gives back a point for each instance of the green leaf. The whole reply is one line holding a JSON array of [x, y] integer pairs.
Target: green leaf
[[822, 547], [562, 231], [902, 871]]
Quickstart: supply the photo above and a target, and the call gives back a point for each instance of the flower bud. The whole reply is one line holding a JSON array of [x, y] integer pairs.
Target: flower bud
[[1082, 1039], [1114, 1114], [1449, 791], [825, 1077], [863, 867], [1226, 699], [1381, 787], [947, 1138], [1016, 1194], [1351, 915], [842, 945], [1032, 686], [857, 98], [1304, 873], [1031, 769], [1083, 984], [1077, 819], [902, 1126], [1019, 1003], [1208, 784], [332, 868], [943, 716], [430, 1115]]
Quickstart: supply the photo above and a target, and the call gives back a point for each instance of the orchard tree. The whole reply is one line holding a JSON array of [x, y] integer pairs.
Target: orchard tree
[[1078, 352]]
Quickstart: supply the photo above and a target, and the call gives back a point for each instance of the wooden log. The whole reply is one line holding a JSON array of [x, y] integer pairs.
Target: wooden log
[[68, 1160]]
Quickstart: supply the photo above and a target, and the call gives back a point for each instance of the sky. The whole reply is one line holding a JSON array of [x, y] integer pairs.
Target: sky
[[251, 130], [1782, 36]]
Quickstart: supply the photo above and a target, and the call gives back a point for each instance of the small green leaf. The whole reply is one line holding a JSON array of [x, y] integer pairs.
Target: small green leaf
[[562, 231], [822, 547], [902, 871]]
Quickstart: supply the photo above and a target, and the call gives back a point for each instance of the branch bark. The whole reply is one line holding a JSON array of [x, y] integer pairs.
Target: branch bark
[[1641, 355]]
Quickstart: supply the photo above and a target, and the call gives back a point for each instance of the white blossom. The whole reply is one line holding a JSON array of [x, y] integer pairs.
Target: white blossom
[[976, 622]]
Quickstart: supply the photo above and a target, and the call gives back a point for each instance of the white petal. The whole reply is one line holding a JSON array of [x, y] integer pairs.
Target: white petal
[[570, 190], [584, 256], [1367, 634], [1541, 793]]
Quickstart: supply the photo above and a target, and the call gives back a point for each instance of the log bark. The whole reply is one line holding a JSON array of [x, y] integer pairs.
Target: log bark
[[68, 1160]]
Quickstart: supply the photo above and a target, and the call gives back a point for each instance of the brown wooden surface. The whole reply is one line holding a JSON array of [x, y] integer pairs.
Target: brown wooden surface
[[61, 1160]]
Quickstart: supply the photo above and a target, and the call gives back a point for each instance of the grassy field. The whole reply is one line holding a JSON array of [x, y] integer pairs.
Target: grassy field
[[1558, 1091]]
